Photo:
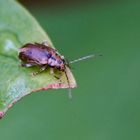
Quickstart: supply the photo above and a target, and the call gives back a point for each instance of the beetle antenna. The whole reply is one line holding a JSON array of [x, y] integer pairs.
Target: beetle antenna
[[83, 58], [69, 89]]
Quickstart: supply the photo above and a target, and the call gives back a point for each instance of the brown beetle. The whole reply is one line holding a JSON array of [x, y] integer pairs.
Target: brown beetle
[[41, 55]]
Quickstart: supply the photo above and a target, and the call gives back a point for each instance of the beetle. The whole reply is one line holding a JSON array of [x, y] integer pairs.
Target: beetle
[[42, 55]]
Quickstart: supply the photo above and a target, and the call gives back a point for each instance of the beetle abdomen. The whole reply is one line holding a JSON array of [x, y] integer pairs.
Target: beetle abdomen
[[32, 53]]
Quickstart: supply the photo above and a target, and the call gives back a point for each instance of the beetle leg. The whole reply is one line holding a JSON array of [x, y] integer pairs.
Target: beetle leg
[[26, 65], [41, 70], [53, 73]]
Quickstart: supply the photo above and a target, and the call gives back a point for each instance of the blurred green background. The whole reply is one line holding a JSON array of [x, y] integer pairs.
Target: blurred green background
[[106, 104]]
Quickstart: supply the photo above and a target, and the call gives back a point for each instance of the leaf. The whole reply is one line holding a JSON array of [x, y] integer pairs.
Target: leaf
[[18, 27]]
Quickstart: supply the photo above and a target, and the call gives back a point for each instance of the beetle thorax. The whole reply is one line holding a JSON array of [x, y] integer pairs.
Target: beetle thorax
[[56, 61]]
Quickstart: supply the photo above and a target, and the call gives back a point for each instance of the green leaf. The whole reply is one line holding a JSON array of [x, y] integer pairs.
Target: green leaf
[[18, 27]]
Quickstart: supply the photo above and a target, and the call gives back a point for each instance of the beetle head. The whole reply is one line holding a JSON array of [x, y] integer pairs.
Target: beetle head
[[64, 63]]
